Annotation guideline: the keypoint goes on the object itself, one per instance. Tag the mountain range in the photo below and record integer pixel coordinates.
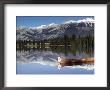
(80, 28)
(46, 58)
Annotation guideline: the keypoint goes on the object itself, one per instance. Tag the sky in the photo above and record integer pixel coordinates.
(35, 21)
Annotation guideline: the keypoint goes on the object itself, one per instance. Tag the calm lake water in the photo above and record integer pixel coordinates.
(46, 62)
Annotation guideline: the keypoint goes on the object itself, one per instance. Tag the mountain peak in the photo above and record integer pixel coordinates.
(80, 27)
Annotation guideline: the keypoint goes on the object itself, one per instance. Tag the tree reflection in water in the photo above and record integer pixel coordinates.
(48, 55)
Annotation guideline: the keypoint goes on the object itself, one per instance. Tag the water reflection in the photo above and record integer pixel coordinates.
(46, 62)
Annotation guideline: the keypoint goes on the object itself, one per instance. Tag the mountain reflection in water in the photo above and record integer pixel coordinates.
(46, 62)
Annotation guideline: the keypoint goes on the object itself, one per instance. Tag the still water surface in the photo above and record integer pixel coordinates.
(46, 62)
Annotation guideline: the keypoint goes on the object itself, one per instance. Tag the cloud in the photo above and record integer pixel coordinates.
(32, 27)
(91, 20)
(22, 27)
(52, 24)
(70, 21)
(42, 26)
(87, 20)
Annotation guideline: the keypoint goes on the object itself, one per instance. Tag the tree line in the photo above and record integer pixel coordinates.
(60, 44)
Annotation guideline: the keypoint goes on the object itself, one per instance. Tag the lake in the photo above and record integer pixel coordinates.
(45, 61)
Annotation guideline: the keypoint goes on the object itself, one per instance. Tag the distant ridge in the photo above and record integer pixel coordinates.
(81, 28)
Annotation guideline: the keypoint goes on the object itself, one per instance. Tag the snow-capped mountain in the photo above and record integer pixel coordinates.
(80, 27)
